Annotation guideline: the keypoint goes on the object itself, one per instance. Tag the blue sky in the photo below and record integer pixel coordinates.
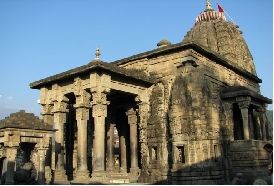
(39, 38)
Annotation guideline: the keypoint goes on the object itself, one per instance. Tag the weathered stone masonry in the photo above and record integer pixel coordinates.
(185, 113)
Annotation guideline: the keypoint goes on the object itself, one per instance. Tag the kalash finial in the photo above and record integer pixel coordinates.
(208, 6)
(97, 54)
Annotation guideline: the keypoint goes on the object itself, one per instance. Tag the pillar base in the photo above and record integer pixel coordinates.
(81, 177)
(134, 174)
(48, 176)
(110, 169)
(9, 182)
(99, 177)
(135, 171)
(123, 170)
(60, 177)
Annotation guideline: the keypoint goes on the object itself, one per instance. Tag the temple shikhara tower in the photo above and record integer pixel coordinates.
(185, 113)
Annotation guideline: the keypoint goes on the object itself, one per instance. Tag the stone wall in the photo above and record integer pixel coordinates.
(188, 116)
(157, 134)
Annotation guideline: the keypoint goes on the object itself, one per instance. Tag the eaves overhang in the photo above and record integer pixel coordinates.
(240, 91)
(94, 65)
(196, 47)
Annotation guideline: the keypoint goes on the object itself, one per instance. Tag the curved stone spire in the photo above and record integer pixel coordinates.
(213, 31)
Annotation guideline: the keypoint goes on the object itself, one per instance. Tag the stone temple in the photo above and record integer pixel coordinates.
(185, 113)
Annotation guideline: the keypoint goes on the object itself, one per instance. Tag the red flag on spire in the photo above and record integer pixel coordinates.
(220, 8)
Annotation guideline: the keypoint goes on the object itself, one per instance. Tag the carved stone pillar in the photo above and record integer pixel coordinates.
(82, 117)
(143, 112)
(48, 118)
(258, 125)
(11, 155)
(60, 110)
(262, 119)
(47, 114)
(41, 171)
(243, 105)
(110, 147)
(123, 153)
(229, 121)
(99, 113)
(132, 121)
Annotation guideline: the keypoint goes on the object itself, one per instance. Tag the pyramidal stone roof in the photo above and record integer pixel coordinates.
(23, 120)
(94, 65)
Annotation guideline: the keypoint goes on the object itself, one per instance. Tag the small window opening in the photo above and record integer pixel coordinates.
(154, 153)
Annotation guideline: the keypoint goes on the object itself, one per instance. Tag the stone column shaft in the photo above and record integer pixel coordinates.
(258, 126)
(133, 146)
(244, 111)
(41, 172)
(263, 126)
(99, 113)
(123, 153)
(82, 144)
(110, 147)
(59, 122)
(11, 155)
(132, 121)
(262, 121)
(99, 144)
(82, 117)
(59, 119)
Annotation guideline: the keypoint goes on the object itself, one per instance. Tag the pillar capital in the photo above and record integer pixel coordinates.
(82, 113)
(99, 97)
(99, 110)
(228, 105)
(132, 117)
(11, 152)
(47, 109)
(261, 109)
(60, 107)
(82, 97)
(244, 104)
(142, 99)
